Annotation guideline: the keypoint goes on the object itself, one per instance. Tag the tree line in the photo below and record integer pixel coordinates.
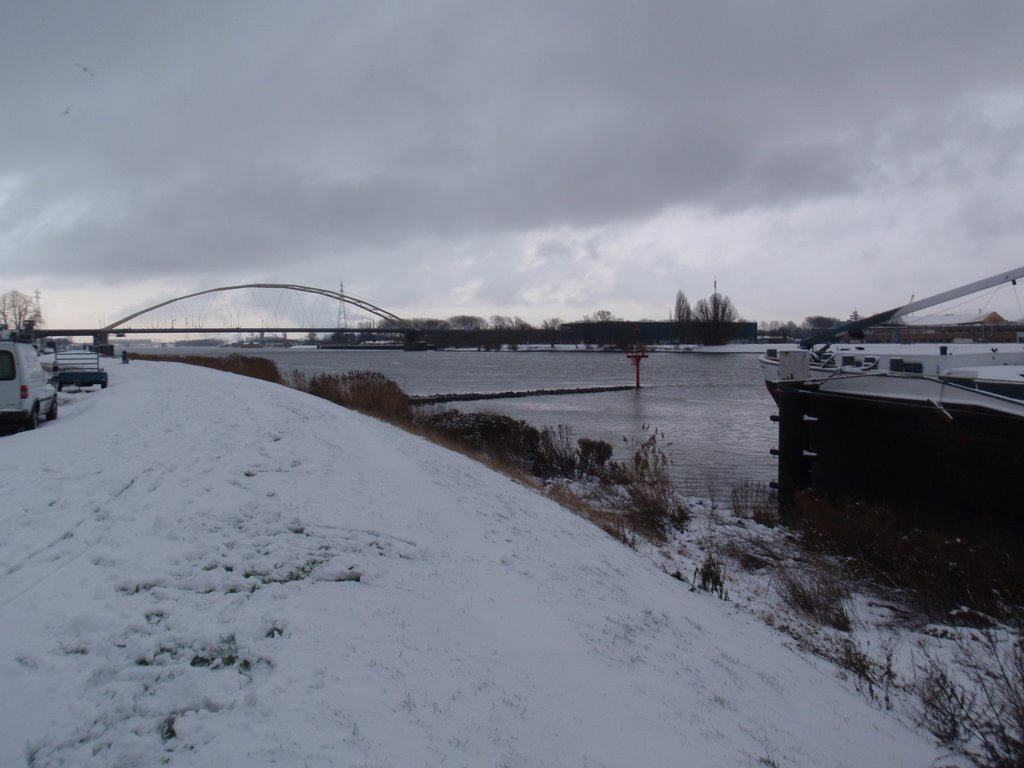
(788, 329)
(706, 321)
(709, 321)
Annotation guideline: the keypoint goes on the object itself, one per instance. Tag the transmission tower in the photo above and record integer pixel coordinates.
(342, 317)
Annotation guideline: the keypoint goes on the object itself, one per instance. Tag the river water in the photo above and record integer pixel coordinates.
(713, 409)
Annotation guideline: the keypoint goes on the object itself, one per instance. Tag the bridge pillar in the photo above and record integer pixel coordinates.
(412, 343)
(100, 338)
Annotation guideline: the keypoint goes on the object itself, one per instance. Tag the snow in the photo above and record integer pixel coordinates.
(199, 569)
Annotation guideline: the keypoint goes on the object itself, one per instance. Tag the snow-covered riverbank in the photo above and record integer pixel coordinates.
(199, 569)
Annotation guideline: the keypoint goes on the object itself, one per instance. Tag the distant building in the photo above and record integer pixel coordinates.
(943, 329)
(624, 332)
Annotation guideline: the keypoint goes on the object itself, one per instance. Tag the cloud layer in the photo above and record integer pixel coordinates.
(524, 158)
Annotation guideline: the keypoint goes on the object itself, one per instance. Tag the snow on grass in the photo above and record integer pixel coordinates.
(202, 569)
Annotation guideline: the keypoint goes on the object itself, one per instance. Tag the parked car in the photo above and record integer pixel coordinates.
(26, 393)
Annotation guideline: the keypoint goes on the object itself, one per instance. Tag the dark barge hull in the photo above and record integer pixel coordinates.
(958, 460)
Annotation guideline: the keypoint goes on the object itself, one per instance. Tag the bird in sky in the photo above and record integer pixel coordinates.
(67, 109)
(85, 69)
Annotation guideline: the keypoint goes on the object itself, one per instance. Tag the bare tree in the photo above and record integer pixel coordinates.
(714, 314)
(782, 328)
(429, 324)
(501, 322)
(17, 310)
(601, 316)
(682, 315)
(466, 323)
(552, 325)
(717, 308)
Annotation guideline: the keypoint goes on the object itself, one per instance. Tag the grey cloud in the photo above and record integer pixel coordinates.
(225, 136)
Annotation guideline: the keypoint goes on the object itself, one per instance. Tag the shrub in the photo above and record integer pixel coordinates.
(500, 437)
(710, 576)
(594, 456)
(556, 455)
(547, 453)
(976, 708)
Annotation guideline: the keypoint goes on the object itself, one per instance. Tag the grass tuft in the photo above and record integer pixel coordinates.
(819, 591)
(652, 501)
(757, 502)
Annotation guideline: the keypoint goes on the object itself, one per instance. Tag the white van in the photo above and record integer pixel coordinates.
(25, 389)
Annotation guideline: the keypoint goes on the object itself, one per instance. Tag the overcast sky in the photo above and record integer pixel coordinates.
(538, 159)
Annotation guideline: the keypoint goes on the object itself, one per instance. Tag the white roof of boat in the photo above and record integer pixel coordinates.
(968, 348)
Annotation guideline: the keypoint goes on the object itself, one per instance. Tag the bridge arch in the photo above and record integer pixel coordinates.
(366, 306)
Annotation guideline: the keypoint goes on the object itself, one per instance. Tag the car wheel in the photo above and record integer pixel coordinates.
(33, 418)
(51, 415)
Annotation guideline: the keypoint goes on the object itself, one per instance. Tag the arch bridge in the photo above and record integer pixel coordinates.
(388, 321)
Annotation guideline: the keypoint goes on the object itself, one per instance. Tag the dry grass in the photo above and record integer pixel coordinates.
(752, 553)
(651, 501)
(589, 509)
(818, 590)
(757, 502)
(975, 705)
(368, 392)
(943, 566)
(243, 365)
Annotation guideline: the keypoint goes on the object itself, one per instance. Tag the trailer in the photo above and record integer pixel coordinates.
(78, 367)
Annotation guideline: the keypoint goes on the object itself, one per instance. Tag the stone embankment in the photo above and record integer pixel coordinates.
(467, 396)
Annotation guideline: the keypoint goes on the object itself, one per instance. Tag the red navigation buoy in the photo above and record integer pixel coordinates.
(638, 354)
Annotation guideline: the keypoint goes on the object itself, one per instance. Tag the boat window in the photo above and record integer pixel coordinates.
(849, 360)
(6, 366)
